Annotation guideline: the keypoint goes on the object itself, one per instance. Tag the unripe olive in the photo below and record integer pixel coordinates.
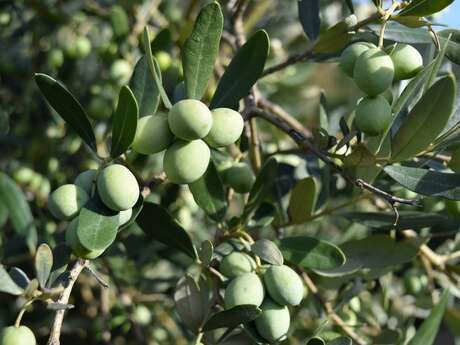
(86, 180)
(244, 289)
(190, 119)
(73, 242)
(373, 115)
(185, 162)
(99, 108)
(374, 71)
(351, 53)
(56, 58)
(284, 285)
(120, 71)
(227, 126)
(240, 177)
(23, 175)
(406, 59)
(454, 162)
(164, 60)
(453, 208)
(142, 315)
(124, 216)
(273, 323)
(236, 264)
(21, 335)
(66, 201)
(82, 47)
(152, 135)
(117, 187)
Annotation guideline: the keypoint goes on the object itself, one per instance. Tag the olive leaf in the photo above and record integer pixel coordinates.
(336, 37)
(303, 200)
(423, 8)
(189, 303)
(145, 88)
(232, 317)
(43, 263)
(309, 17)
(268, 251)
(7, 285)
(119, 20)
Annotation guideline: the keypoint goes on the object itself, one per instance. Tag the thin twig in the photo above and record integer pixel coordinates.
(64, 299)
(332, 315)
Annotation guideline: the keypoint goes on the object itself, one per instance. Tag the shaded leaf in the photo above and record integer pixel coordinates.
(43, 263)
(340, 341)
(262, 187)
(426, 182)
(336, 37)
(309, 17)
(403, 34)
(427, 332)
(311, 253)
(243, 72)
(97, 225)
(209, 193)
(423, 8)
(7, 285)
(124, 122)
(144, 88)
(206, 252)
(232, 317)
(157, 223)
(67, 106)
(453, 47)
(19, 210)
(268, 251)
(19, 277)
(303, 200)
(376, 252)
(201, 49)
(425, 121)
(189, 304)
(61, 258)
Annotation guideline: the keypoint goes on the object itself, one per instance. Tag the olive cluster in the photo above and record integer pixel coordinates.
(116, 187)
(186, 134)
(374, 71)
(273, 288)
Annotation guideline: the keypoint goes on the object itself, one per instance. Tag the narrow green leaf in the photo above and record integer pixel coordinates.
(189, 304)
(158, 224)
(403, 34)
(424, 8)
(206, 252)
(7, 285)
(119, 20)
(43, 263)
(209, 193)
(124, 122)
(385, 220)
(426, 182)
(453, 47)
(425, 121)
(67, 106)
(336, 37)
(268, 251)
(262, 188)
(243, 72)
(201, 49)
(144, 88)
(437, 65)
(19, 277)
(155, 69)
(97, 225)
(427, 332)
(232, 317)
(19, 210)
(309, 18)
(311, 253)
(303, 200)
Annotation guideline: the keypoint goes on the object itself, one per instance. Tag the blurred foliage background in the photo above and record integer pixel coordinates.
(92, 46)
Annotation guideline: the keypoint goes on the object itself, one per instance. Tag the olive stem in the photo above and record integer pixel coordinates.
(198, 338)
(17, 323)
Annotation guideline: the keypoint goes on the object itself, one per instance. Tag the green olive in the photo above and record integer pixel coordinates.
(120, 71)
(190, 119)
(240, 177)
(236, 264)
(454, 162)
(86, 180)
(406, 59)
(227, 126)
(185, 162)
(388, 95)
(117, 187)
(164, 60)
(21, 335)
(351, 53)
(374, 71)
(152, 135)
(55, 58)
(66, 201)
(125, 216)
(273, 324)
(78, 249)
(284, 285)
(373, 115)
(82, 47)
(244, 289)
